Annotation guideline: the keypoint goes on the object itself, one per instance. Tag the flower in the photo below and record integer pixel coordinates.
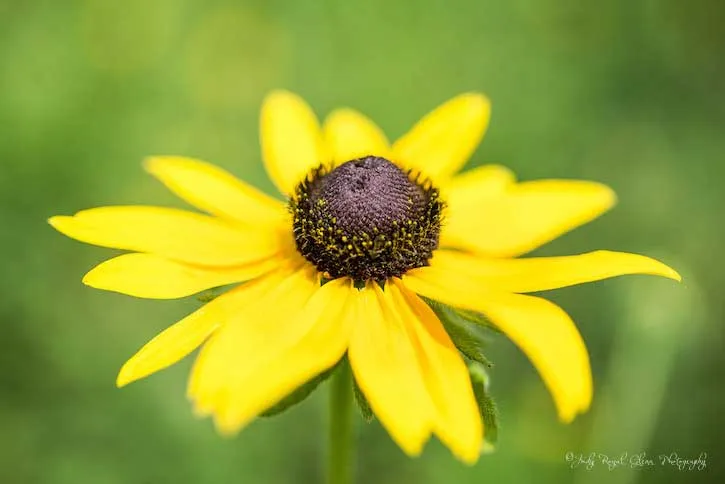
(368, 229)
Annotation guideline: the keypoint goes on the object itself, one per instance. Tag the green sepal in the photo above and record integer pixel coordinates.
(362, 403)
(297, 396)
(466, 329)
(486, 405)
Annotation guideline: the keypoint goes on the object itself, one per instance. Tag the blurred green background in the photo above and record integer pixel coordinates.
(627, 93)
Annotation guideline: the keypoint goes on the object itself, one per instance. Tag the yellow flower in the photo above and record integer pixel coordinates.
(368, 228)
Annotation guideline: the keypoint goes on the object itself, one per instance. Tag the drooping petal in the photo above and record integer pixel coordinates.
(214, 190)
(385, 366)
(350, 135)
(445, 374)
(524, 217)
(153, 277)
(540, 273)
(182, 338)
(321, 335)
(291, 138)
(251, 339)
(441, 143)
(171, 233)
(542, 330)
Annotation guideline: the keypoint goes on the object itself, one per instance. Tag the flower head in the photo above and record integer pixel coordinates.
(366, 219)
(339, 269)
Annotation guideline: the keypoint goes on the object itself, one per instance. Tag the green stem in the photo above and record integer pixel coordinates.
(340, 431)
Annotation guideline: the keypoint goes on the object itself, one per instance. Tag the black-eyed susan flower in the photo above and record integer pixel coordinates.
(339, 268)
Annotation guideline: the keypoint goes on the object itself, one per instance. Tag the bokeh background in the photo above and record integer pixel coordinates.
(627, 93)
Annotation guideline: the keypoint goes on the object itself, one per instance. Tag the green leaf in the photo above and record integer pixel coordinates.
(297, 396)
(362, 403)
(473, 317)
(465, 329)
(486, 405)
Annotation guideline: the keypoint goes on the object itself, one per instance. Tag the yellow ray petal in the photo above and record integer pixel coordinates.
(153, 277)
(441, 143)
(171, 233)
(469, 188)
(321, 334)
(350, 135)
(243, 345)
(446, 375)
(214, 190)
(541, 273)
(291, 138)
(384, 363)
(182, 338)
(525, 217)
(542, 330)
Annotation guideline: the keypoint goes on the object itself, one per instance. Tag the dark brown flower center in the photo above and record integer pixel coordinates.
(366, 219)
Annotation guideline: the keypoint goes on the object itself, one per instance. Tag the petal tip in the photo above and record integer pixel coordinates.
(160, 166)
(412, 450)
(94, 279)
(88, 279)
(477, 99)
(478, 105)
(566, 417)
(127, 374)
(199, 411)
(123, 378)
(470, 460)
(470, 455)
(606, 194)
(152, 164)
(57, 220)
(661, 269)
(611, 195)
(672, 274)
(226, 428)
(602, 194)
(340, 112)
(276, 95)
(62, 223)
